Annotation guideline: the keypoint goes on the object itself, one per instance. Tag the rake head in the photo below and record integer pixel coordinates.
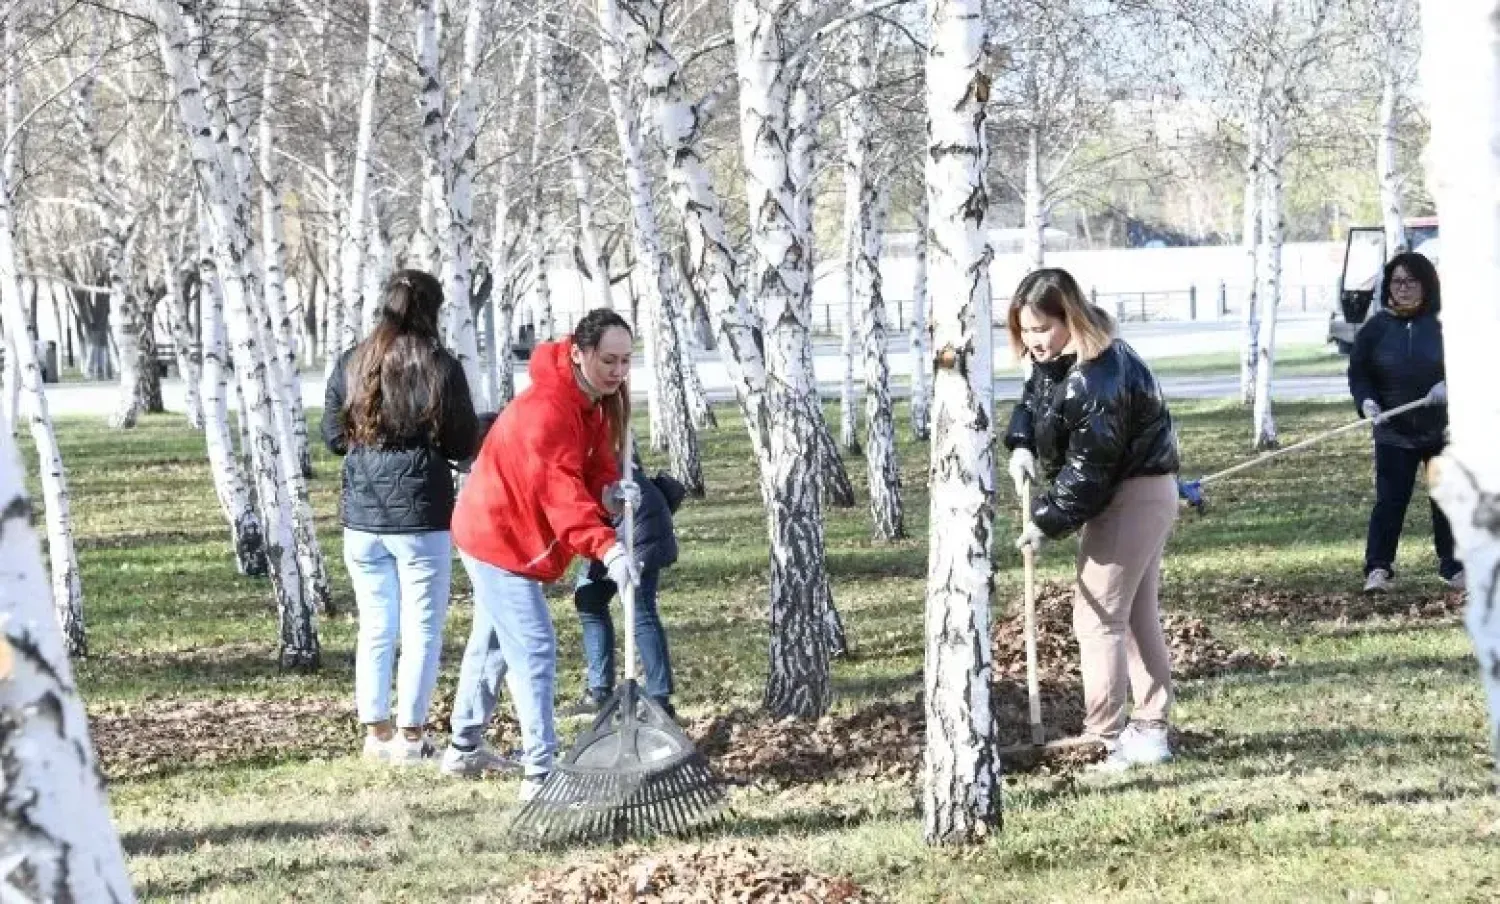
(632, 775)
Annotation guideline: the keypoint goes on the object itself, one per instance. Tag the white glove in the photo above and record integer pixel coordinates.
(621, 570)
(1022, 469)
(1371, 410)
(1438, 395)
(620, 493)
(1032, 538)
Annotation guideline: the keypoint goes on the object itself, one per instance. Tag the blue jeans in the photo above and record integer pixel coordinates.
(401, 584)
(512, 637)
(599, 636)
(1395, 476)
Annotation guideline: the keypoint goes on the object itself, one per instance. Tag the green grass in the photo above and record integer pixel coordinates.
(1357, 773)
(1293, 360)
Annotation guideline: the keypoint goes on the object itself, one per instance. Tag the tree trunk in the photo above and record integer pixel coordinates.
(1273, 232)
(222, 169)
(229, 482)
(597, 266)
(543, 90)
(1386, 166)
(1461, 74)
(1036, 211)
(354, 303)
(961, 783)
(1250, 238)
(56, 839)
(126, 327)
(711, 259)
(67, 588)
(848, 404)
(886, 511)
(10, 384)
(377, 267)
(150, 385)
(798, 683)
(458, 243)
(652, 260)
(921, 356)
(188, 351)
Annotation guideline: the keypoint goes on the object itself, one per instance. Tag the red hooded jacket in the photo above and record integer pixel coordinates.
(532, 501)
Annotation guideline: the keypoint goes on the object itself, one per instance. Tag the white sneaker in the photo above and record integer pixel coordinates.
(399, 751)
(531, 786)
(1379, 581)
(1145, 744)
(476, 763)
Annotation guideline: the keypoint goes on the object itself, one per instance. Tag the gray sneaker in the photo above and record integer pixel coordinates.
(1378, 581)
(1458, 582)
(477, 763)
(399, 750)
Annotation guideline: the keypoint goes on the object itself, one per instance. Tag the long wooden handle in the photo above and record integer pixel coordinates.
(1033, 681)
(627, 594)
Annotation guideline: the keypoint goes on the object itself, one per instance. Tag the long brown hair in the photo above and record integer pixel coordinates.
(586, 336)
(1054, 292)
(396, 375)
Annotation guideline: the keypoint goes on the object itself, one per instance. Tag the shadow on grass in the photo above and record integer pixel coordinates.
(158, 842)
(1304, 673)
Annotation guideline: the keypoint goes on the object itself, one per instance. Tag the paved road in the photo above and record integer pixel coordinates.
(1152, 340)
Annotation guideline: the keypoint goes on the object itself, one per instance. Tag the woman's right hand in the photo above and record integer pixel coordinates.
(621, 569)
(1370, 409)
(1022, 469)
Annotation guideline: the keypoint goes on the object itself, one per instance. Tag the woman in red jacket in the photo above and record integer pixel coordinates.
(541, 491)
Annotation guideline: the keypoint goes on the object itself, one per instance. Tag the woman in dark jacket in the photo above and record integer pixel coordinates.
(655, 549)
(398, 410)
(1092, 416)
(1398, 359)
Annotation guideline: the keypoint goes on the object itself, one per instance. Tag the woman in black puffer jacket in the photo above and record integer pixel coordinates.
(398, 409)
(1093, 420)
(1398, 359)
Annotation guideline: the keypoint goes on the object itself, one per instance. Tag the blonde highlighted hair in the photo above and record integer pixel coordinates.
(1054, 292)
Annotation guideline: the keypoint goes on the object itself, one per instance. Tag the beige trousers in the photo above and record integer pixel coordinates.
(1115, 610)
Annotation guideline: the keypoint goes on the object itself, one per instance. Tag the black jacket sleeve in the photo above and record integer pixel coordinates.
(458, 434)
(1086, 483)
(1019, 434)
(333, 409)
(1361, 369)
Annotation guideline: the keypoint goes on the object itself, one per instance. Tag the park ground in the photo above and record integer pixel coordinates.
(1342, 759)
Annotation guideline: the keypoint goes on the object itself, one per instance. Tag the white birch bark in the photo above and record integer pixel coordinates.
(354, 303)
(653, 263)
(583, 192)
(377, 268)
(187, 351)
(1035, 238)
(1397, 23)
(543, 103)
(961, 782)
(1461, 74)
(848, 404)
(273, 232)
(502, 264)
(921, 356)
(235, 499)
(67, 587)
(1273, 235)
(57, 842)
(798, 682)
(677, 125)
(886, 509)
(1250, 238)
(10, 384)
(457, 240)
(222, 167)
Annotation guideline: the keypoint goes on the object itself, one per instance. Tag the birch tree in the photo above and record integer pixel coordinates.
(245, 533)
(178, 275)
(544, 102)
(660, 288)
(921, 356)
(57, 842)
(1394, 28)
(458, 243)
(503, 246)
(352, 250)
(1461, 72)
(67, 587)
(961, 781)
(222, 166)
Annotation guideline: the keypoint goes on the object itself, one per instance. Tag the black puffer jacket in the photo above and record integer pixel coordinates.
(1397, 360)
(401, 487)
(1092, 425)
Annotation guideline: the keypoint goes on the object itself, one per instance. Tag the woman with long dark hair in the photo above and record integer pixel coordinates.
(398, 410)
(1093, 427)
(545, 483)
(1398, 359)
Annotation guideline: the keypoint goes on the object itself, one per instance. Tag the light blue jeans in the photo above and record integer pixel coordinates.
(401, 584)
(512, 638)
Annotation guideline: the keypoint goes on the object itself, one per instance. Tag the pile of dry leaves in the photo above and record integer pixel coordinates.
(156, 737)
(724, 872)
(1252, 601)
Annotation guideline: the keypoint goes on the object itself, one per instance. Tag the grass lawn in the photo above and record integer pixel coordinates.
(1358, 772)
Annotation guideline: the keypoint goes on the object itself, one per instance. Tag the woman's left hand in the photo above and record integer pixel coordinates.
(1438, 394)
(1031, 538)
(620, 494)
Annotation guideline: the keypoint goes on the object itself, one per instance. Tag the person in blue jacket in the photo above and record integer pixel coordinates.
(1398, 359)
(655, 549)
